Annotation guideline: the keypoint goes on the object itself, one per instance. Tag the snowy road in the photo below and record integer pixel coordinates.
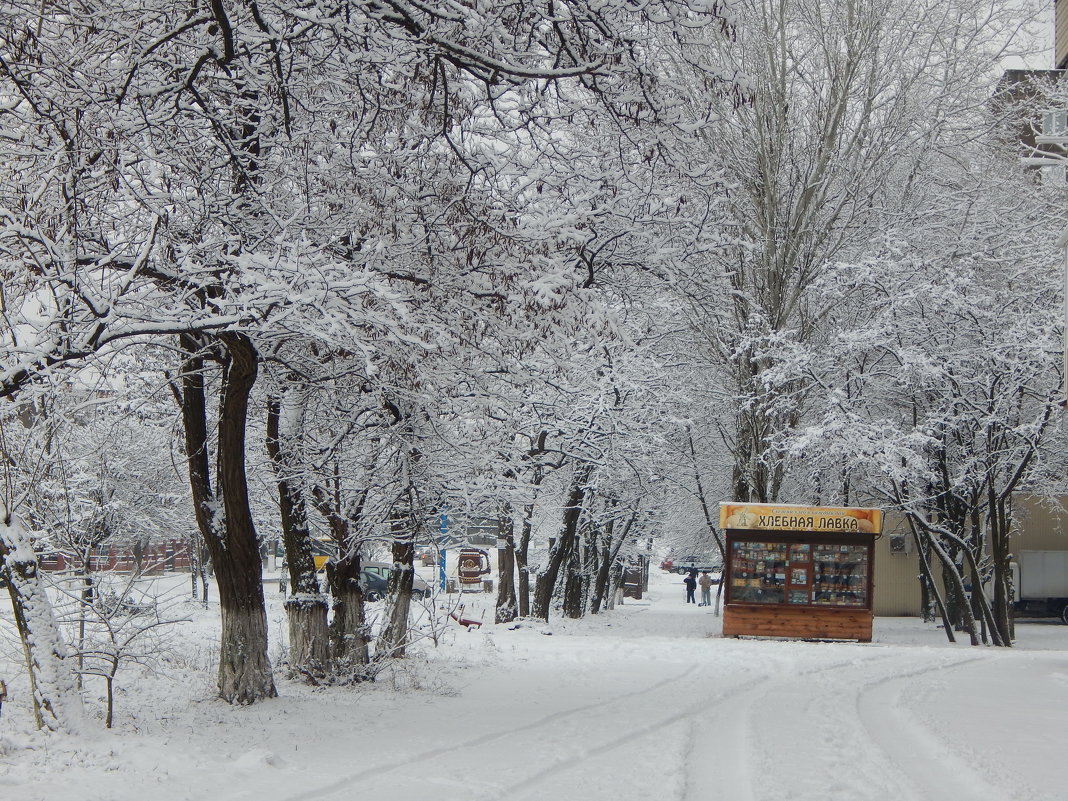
(832, 729)
(647, 702)
(652, 707)
(805, 735)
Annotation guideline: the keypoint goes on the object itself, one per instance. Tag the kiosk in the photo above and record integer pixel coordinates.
(799, 571)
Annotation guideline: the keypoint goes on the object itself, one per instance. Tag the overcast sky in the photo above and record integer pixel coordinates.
(1041, 33)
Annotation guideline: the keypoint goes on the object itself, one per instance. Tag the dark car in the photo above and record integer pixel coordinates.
(375, 579)
(427, 555)
(687, 564)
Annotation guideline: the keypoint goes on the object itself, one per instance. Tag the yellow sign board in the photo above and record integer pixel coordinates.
(789, 517)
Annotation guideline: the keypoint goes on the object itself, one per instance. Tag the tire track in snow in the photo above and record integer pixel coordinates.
(322, 792)
(695, 713)
(737, 754)
(723, 742)
(580, 755)
(725, 732)
(935, 770)
(716, 756)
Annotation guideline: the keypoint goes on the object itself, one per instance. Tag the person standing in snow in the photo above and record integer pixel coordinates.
(691, 584)
(706, 588)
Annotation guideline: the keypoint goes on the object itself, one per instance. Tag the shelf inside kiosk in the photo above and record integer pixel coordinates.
(799, 573)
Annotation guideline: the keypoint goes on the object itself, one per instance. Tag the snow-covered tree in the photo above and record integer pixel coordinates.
(846, 102)
(56, 702)
(229, 172)
(941, 372)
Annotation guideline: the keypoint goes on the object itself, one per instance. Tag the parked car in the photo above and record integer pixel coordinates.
(667, 564)
(684, 564)
(375, 578)
(426, 555)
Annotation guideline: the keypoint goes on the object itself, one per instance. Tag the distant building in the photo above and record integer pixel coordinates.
(1037, 127)
(1041, 525)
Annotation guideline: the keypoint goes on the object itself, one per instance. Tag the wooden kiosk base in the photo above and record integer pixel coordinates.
(802, 623)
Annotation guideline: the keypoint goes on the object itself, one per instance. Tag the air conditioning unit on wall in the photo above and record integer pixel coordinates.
(900, 543)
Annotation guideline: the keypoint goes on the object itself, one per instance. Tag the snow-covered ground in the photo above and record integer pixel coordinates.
(644, 702)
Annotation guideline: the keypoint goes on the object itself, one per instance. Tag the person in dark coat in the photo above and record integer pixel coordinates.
(691, 584)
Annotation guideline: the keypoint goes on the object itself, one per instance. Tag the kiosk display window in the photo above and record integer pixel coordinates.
(840, 575)
(759, 572)
(800, 573)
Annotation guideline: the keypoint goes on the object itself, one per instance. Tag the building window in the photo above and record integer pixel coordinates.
(1054, 175)
(1054, 123)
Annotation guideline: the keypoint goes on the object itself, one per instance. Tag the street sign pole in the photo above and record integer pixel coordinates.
(444, 529)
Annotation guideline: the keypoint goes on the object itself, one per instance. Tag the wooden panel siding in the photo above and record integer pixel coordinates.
(802, 622)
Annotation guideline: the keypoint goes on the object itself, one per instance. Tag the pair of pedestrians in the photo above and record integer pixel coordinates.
(691, 583)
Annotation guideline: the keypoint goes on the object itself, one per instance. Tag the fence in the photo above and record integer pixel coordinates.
(165, 557)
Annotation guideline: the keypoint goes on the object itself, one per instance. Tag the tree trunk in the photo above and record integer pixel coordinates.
(573, 585)
(307, 609)
(229, 533)
(308, 635)
(999, 550)
(506, 602)
(198, 568)
(393, 641)
(953, 579)
(710, 521)
(57, 706)
(979, 598)
(88, 593)
(546, 583)
(296, 537)
(611, 563)
(928, 578)
(600, 584)
(349, 633)
(615, 575)
(244, 668)
(522, 563)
